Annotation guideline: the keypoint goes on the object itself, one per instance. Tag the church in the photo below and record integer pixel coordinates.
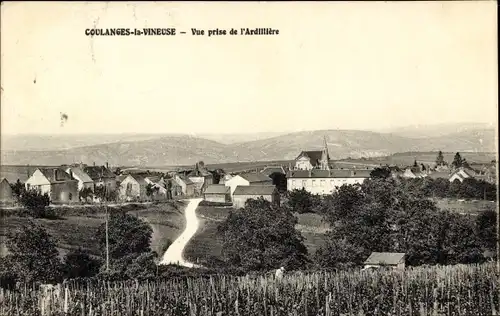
(316, 159)
(313, 173)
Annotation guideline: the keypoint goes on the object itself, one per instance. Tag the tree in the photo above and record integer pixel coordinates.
(441, 187)
(142, 267)
(151, 190)
(127, 235)
(279, 180)
(457, 161)
(105, 194)
(461, 244)
(34, 254)
(8, 276)
(86, 193)
(262, 237)
(17, 189)
(217, 174)
(79, 264)
(300, 201)
(35, 203)
(486, 230)
(380, 173)
(382, 216)
(440, 159)
(465, 164)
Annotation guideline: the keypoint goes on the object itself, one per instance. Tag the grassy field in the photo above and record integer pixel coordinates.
(206, 242)
(79, 229)
(465, 207)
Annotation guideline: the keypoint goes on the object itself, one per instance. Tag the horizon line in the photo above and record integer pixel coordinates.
(379, 130)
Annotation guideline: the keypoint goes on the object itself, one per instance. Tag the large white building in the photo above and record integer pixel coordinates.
(317, 181)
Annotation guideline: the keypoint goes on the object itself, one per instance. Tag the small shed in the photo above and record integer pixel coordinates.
(217, 193)
(394, 260)
(243, 193)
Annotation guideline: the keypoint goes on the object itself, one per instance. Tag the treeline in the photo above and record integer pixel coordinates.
(383, 215)
(470, 188)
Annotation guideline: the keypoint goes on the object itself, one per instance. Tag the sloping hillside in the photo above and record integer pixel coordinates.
(61, 142)
(170, 150)
(186, 150)
(341, 144)
(437, 130)
(355, 144)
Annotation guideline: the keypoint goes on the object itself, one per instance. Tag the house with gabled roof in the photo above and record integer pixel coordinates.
(102, 176)
(158, 183)
(248, 179)
(217, 193)
(393, 260)
(413, 172)
(187, 186)
(461, 174)
(60, 186)
(84, 180)
(246, 192)
(133, 188)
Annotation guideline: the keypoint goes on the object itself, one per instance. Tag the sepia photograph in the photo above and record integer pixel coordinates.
(334, 158)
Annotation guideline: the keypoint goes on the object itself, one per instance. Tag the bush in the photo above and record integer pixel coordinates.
(79, 264)
(35, 204)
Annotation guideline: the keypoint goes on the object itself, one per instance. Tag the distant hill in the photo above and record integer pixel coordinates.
(422, 131)
(238, 138)
(57, 142)
(186, 150)
(168, 150)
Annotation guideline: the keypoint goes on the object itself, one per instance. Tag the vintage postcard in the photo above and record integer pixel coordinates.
(249, 158)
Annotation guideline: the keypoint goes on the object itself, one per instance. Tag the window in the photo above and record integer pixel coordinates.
(332, 182)
(70, 196)
(304, 183)
(322, 183)
(293, 183)
(313, 183)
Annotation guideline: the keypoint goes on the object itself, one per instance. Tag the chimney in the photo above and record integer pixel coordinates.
(94, 163)
(107, 165)
(81, 165)
(28, 170)
(71, 174)
(55, 174)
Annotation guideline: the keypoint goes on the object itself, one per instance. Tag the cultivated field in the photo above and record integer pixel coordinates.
(77, 227)
(450, 290)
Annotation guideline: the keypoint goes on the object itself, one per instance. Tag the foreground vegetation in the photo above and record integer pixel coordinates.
(453, 290)
(75, 227)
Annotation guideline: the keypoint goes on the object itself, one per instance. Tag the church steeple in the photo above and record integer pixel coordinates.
(325, 157)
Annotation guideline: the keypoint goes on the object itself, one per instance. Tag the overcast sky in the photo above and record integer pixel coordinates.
(355, 65)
